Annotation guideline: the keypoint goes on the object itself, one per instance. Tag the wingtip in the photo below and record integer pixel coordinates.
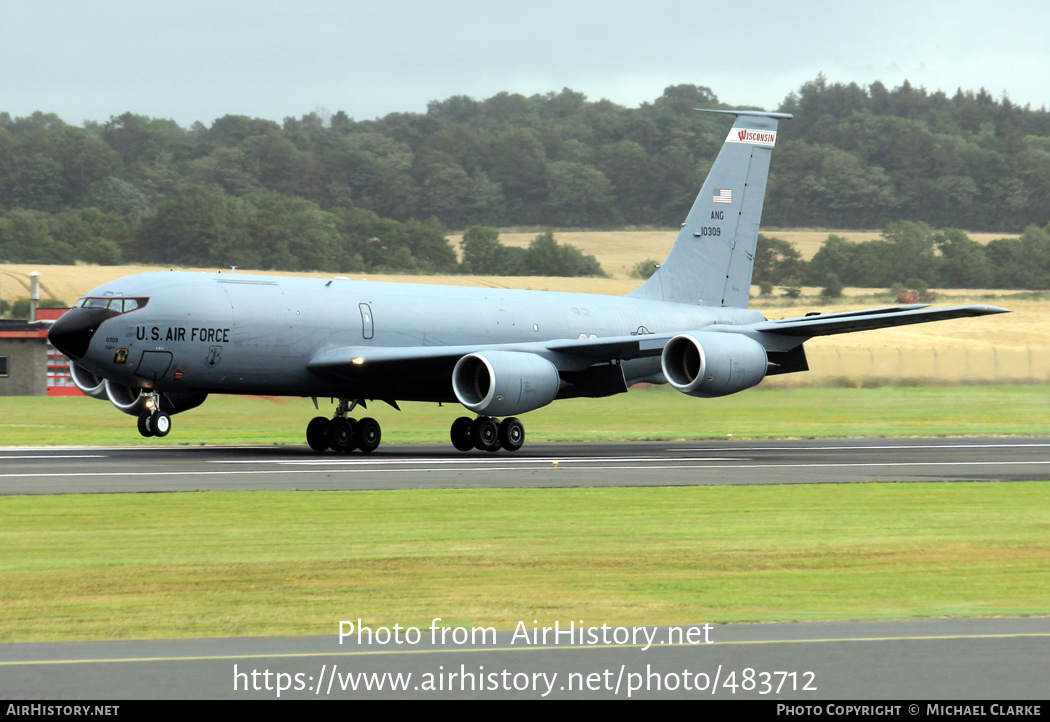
(980, 309)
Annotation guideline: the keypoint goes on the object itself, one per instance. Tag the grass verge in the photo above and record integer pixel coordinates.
(262, 563)
(647, 413)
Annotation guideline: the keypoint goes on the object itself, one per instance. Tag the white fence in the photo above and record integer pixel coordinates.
(944, 365)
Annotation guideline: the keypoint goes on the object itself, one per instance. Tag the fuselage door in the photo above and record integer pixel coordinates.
(367, 329)
(154, 364)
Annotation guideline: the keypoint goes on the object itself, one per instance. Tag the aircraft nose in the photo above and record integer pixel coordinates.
(72, 332)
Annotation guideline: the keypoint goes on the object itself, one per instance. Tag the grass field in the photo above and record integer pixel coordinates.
(118, 566)
(254, 563)
(643, 413)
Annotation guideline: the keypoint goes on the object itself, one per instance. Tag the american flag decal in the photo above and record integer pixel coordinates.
(724, 195)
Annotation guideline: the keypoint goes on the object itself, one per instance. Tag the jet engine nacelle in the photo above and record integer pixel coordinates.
(713, 364)
(134, 401)
(92, 385)
(504, 383)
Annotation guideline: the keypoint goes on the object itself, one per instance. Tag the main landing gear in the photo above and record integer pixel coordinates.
(487, 434)
(342, 433)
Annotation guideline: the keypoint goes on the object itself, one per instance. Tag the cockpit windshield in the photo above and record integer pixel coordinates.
(120, 304)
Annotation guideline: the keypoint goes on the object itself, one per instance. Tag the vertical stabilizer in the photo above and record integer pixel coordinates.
(713, 257)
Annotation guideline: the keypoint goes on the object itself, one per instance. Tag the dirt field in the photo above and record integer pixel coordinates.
(1013, 347)
(619, 251)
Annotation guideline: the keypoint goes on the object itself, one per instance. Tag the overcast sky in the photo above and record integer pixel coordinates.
(196, 60)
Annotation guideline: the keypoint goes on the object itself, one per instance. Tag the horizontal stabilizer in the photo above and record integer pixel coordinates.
(753, 113)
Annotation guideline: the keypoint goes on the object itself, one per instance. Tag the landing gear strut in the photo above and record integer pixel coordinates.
(342, 433)
(486, 433)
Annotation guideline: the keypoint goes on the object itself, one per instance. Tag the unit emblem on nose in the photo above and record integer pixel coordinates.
(214, 356)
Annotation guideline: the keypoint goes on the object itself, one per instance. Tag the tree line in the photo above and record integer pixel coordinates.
(913, 254)
(327, 192)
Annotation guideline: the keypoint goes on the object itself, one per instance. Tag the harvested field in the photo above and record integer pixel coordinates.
(619, 251)
(1007, 348)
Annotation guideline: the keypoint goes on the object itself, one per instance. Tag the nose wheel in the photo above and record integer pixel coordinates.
(486, 433)
(156, 424)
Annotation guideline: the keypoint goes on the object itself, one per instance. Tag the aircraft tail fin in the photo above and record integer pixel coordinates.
(712, 259)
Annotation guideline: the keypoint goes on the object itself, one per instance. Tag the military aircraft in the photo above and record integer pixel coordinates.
(157, 344)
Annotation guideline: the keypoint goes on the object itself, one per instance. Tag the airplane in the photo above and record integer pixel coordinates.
(157, 344)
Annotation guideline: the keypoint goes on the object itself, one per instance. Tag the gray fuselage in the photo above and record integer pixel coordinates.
(243, 334)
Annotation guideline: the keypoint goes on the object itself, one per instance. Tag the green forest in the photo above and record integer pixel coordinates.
(327, 192)
(912, 254)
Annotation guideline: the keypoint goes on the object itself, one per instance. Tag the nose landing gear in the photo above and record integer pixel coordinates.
(157, 424)
(153, 421)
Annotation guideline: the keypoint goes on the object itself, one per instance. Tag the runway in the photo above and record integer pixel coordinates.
(965, 659)
(948, 660)
(145, 469)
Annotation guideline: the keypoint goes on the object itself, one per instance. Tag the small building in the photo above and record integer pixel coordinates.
(23, 358)
(29, 365)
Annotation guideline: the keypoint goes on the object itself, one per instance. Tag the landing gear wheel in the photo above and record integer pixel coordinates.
(485, 431)
(318, 433)
(511, 434)
(462, 438)
(160, 424)
(342, 435)
(367, 435)
(144, 426)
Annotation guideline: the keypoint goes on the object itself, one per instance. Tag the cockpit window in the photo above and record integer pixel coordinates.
(120, 305)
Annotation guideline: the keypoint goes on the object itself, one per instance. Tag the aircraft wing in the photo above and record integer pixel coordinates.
(397, 362)
(632, 347)
(438, 361)
(388, 362)
(869, 319)
(614, 347)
